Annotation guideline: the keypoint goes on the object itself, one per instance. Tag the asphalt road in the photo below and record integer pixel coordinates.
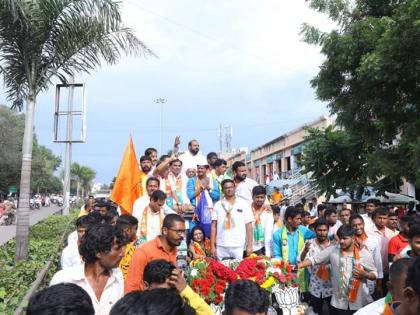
(9, 232)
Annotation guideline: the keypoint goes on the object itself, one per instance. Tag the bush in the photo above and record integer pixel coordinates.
(15, 279)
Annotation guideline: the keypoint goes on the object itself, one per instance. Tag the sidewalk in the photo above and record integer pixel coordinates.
(9, 232)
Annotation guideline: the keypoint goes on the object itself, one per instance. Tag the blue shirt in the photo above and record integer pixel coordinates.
(292, 241)
(214, 192)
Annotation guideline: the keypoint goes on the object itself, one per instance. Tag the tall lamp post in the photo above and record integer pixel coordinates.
(160, 101)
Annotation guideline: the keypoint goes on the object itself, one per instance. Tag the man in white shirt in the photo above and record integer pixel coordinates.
(192, 157)
(287, 192)
(70, 256)
(263, 222)
(371, 243)
(382, 235)
(151, 217)
(102, 248)
(332, 219)
(244, 185)
(371, 205)
(283, 208)
(231, 227)
(152, 184)
(397, 276)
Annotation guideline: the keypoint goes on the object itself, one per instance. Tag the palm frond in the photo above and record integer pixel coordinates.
(42, 40)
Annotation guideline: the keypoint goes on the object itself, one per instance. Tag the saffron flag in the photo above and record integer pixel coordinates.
(127, 187)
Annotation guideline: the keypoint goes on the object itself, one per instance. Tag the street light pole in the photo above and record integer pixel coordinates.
(160, 101)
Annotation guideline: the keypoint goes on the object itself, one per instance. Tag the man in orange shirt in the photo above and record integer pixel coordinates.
(162, 247)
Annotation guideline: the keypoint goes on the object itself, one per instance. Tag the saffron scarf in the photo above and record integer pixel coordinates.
(229, 222)
(143, 223)
(302, 276)
(323, 272)
(354, 284)
(258, 228)
(199, 250)
(361, 239)
(173, 187)
(387, 308)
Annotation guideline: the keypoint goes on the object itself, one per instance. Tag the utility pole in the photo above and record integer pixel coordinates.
(228, 138)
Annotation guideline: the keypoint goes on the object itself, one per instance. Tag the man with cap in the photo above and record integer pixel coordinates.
(203, 192)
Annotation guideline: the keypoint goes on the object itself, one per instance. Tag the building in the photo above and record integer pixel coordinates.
(278, 156)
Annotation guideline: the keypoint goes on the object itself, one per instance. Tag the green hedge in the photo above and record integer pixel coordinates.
(15, 280)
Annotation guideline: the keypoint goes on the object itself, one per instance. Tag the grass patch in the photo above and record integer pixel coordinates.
(15, 279)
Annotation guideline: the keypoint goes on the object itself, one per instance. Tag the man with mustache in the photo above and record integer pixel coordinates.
(192, 157)
(244, 185)
(163, 246)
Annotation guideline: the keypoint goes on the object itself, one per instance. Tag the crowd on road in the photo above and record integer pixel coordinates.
(193, 207)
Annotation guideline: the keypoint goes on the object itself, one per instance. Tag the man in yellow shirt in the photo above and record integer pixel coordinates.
(129, 225)
(276, 196)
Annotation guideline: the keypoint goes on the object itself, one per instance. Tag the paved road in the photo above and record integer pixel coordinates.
(9, 232)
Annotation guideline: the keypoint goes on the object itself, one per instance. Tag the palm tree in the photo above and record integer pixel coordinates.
(86, 175)
(76, 174)
(44, 40)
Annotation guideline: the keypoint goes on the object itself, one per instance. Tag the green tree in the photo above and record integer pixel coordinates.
(83, 175)
(87, 176)
(44, 164)
(370, 81)
(12, 126)
(44, 40)
(76, 175)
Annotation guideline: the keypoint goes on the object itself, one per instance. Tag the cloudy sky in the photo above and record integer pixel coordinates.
(235, 62)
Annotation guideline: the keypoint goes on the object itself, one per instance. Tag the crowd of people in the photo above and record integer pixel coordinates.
(193, 207)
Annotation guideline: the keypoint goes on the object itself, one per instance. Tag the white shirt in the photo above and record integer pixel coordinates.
(72, 238)
(373, 247)
(141, 203)
(267, 220)
(333, 229)
(374, 308)
(287, 192)
(383, 240)
(113, 291)
(244, 189)
(368, 223)
(153, 223)
(70, 256)
(241, 214)
(191, 161)
(282, 212)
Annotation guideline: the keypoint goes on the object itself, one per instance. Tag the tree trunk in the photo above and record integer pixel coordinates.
(77, 188)
(22, 223)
